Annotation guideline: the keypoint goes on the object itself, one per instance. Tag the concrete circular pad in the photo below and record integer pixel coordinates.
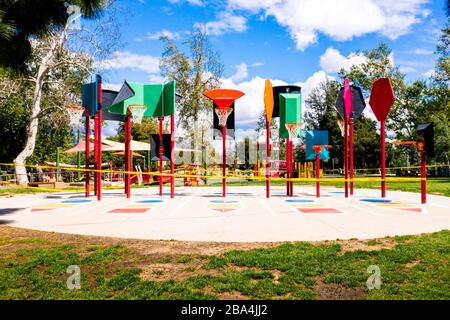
(200, 214)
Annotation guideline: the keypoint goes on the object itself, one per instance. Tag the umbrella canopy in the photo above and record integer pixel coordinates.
(122, 153)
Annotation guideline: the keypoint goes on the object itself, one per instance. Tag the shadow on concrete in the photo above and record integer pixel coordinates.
(6, 221)
(10, 210)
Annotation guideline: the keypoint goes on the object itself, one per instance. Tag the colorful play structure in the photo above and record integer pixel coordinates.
(135, 101)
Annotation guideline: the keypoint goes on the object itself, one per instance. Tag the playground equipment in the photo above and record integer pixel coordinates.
(136, 101)
(268, 107)
(317, 149)
(287, 106)
(350, 105)
(223, 100)
(381, 100)
(425, 146)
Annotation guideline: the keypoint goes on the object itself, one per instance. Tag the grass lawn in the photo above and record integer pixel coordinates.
(33, 266)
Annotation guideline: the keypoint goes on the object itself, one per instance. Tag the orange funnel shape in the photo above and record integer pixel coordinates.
(223, 98)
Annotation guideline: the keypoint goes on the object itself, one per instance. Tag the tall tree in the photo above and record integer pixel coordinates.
(52, 55)
(197, 71)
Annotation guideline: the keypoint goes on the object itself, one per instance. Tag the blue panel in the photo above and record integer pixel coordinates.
(89, 97)
(377, 200)
(150, 201)
(316, 138)
(76, 201)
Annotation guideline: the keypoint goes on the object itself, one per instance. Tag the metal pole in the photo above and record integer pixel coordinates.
(125, 138)
(351, 153)
(78, 157)
(383, 159)
(346, 158)
(318, 174)
(128, 157)
(95, 152)
(87, 156)
(172, 155)
(268, 160)
(291, 183)
(224, 161)
(99, 139)
(58, 171)
(423, 174)
(161, 152)
(287, 166)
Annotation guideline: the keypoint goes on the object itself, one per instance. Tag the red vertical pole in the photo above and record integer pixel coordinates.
(292, 169)
(351, 154)
(172, 155)
(317, 174)
(161, 152)
(125, 138)
(346, 157)
(287, 166)
(268, 160)
(383, 159)
(423, 174)
(128, 158)
(95, 152)
(99, 138)
(87, 152)
(224, 161)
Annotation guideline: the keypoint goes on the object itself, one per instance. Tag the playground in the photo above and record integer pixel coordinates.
(201, 214)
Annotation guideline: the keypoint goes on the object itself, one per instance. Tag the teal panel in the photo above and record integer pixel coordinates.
(290, 111)
(138, 98)
(169, 97)
(89, 99)
(153, 99)
(316, 138)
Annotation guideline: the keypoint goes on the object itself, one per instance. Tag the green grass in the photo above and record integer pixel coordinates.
(412, 267)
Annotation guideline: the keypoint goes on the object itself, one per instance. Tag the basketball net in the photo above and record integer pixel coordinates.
(222, 114)
(75, 115)
(341, 124)
(293, 129)
(137, 112)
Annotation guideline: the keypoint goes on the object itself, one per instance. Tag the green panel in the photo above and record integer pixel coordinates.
(138, 98)
(169, 98)
(153, 99)
(290, 111)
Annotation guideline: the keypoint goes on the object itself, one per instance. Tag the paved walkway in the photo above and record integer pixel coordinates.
(200, 214)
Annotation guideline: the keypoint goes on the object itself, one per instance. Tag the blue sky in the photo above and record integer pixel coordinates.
(292, 41)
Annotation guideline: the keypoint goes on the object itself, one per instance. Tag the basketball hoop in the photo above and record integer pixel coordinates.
(137, 112)
(293, 129)
(222, 114)
(75, 115)
(341, 125)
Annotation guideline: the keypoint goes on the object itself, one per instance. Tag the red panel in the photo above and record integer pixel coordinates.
(129, 210)
(412, 209)
(381, 98)
(223, 98)
(318, 210)
(224, 210)
(41, 209)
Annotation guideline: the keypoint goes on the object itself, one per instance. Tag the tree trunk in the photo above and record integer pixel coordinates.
(32, 129)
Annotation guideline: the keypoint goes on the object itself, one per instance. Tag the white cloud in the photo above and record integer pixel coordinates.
(340, 20)
(226, 22)
(128, 60)
(163, 33)
(257, 64)
(199, 3)
(251, 104)
(112, 86)
(332, 60)
(241, 72)
(422, 52)
(428, 74)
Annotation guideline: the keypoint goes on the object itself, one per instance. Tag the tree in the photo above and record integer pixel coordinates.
(195, 73)
(53, 56)
(22, 20)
